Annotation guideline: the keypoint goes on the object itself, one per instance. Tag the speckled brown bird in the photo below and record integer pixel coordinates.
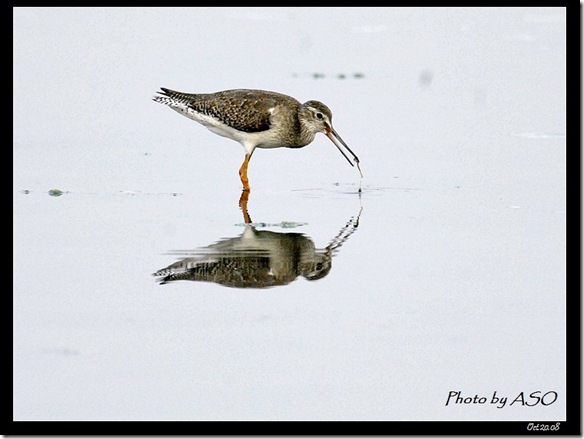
(257, 119)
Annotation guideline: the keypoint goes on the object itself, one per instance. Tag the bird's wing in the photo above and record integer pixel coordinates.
(243, 109)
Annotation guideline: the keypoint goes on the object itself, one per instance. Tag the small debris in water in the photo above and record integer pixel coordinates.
(283, 224)
(291, 224)
(55, 192)
(319, 75)
(425, 77)
(25, 191)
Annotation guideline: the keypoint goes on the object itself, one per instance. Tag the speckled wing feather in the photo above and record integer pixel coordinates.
(242, 109)
(248, 272)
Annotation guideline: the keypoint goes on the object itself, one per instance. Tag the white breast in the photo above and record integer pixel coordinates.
(250, 141)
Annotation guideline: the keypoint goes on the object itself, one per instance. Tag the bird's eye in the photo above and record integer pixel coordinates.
(319, 115)
(319, 265)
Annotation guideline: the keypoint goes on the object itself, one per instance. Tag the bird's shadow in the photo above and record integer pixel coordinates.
(257, 258)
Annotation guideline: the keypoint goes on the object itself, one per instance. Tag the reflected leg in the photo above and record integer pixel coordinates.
(243, 204)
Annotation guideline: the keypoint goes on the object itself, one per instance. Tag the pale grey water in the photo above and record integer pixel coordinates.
(454, 279)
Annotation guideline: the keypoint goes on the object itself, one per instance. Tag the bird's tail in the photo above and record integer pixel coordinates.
(172, 98)
(164, 97)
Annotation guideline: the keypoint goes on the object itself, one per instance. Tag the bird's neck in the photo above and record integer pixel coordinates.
(306, 133)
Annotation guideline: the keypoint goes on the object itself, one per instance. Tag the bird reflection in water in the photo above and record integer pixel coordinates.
(257, 258)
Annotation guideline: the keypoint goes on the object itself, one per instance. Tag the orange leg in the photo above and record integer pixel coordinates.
(243, 173)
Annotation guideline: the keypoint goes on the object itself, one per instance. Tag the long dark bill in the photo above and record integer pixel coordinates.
(334, 136)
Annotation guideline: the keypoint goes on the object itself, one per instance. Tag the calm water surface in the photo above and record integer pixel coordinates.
(332, 303)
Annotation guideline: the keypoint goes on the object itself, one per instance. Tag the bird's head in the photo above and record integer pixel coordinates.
(318, 118)
(316, 266)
